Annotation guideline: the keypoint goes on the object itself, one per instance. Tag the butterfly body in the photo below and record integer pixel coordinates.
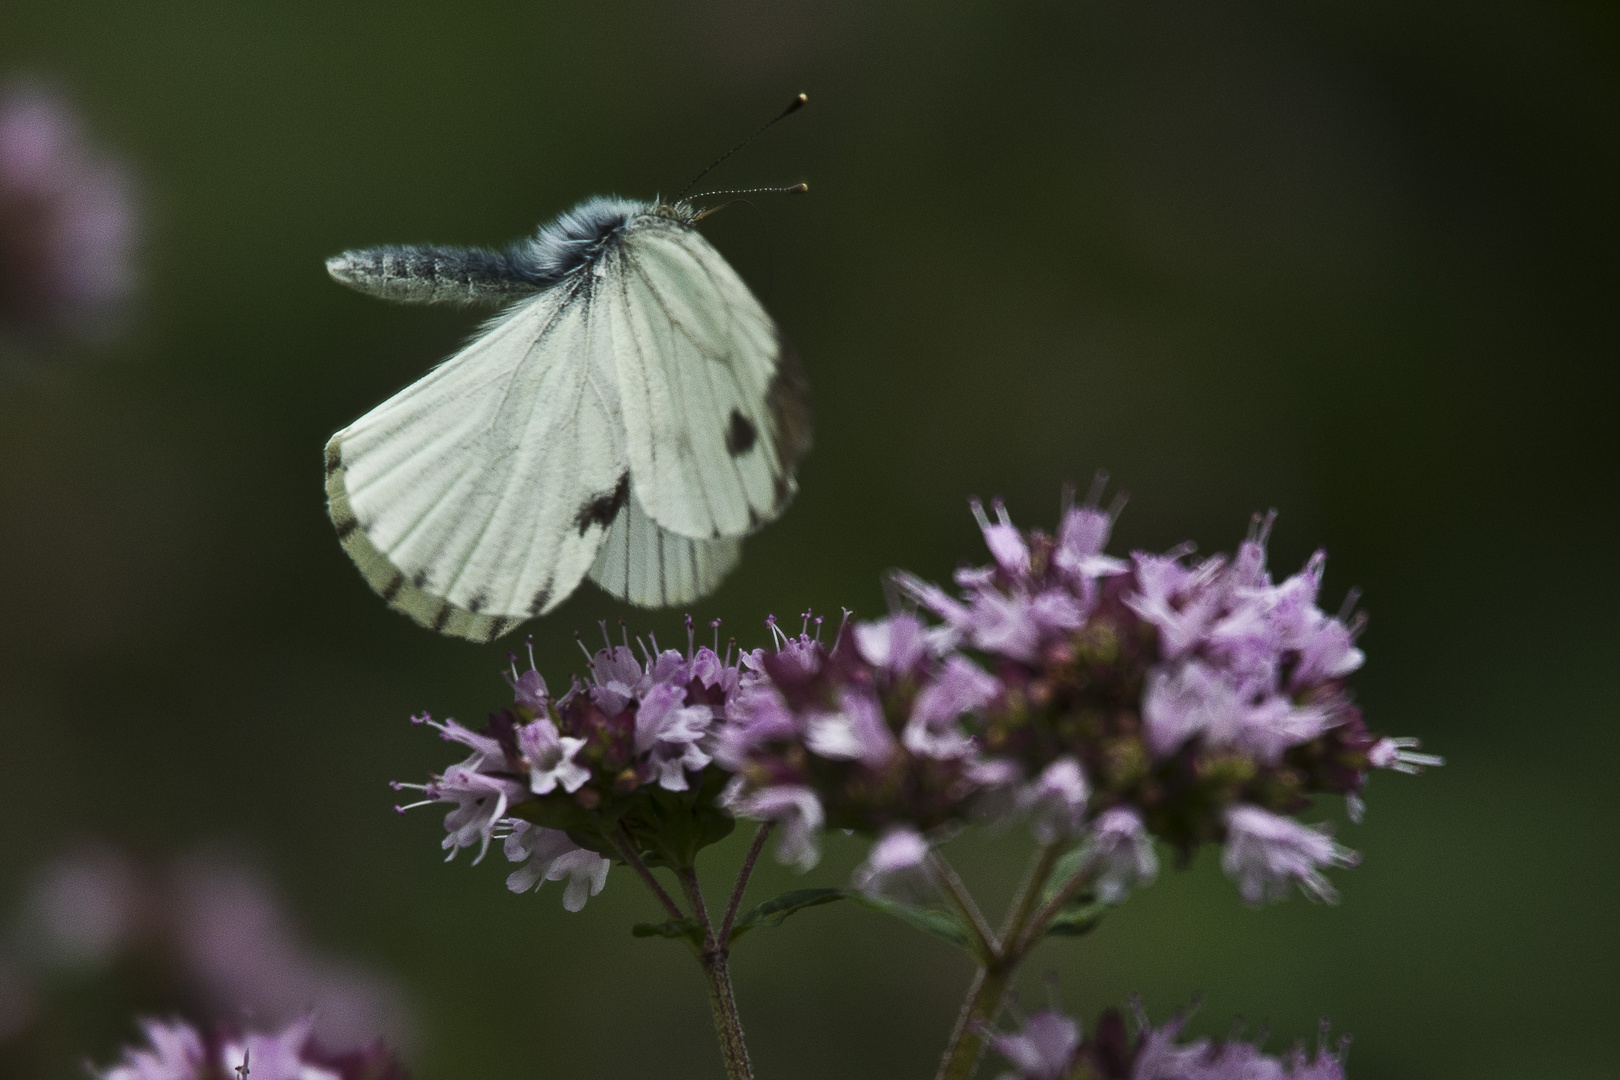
(630, 415)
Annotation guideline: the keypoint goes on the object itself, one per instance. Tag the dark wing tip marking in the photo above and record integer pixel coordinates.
(441, 618)
(391, 590)
(788, 399)
(477, 602)
(740, 434)
(605, 507)
(419, 579)
(346, 527)
(500, 626)
(539, 602)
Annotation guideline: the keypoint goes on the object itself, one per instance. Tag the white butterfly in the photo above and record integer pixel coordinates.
(630, 416)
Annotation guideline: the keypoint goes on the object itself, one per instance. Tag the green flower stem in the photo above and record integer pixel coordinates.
(727, 1024)
(760, 836)
(1037, 923)
(627, 851)
(713, 956)
(1029, 891)
(989, 947)
(995, 976)
(980, 1008)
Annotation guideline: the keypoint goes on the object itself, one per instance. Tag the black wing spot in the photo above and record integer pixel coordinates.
(334, 462)
(347, 527)
(420, 579)
(539, 601)
(740, 435)
(391, 590)
(477, 602)
(605, 507)
(441, 618)
(501, 626)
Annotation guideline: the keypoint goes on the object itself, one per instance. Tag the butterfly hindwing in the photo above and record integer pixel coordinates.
(652, 568)
(716, 413)
(478, 496)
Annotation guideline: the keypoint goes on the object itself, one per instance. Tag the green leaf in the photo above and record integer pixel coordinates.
(667, 828)
(676, 929)
(1079, 916)
(1068, 866)
(671, 827)
(941, 924)
(773, 911)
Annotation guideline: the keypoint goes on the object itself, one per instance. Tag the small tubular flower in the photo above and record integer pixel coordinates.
(621, 761)
(866, 735)
(548, 855)
(1267, 855)
(1056, 801)
(1043, 1050)
(898, 859)
(797, 813)
(1124, 852)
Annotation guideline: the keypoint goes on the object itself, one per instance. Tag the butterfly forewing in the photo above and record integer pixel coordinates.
(487, 487)
(698, 360)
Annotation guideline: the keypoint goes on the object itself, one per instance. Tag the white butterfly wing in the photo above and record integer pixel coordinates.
(653, 568)
(478, 496)
(716, 408)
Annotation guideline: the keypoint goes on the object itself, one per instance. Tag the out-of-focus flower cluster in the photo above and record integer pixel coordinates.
(66, 221)
(1195, 697)
(620, 762)
(1049, 1046)
(213, 929)
(175, 1050)
(866, 734)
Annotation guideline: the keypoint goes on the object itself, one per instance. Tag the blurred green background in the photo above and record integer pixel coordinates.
(1352, 260)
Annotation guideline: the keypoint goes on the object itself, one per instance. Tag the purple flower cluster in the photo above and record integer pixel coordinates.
(622, 759)
(1114, 702)
(865, 735)
(66, 220)
(1049, 1047)
(1195, 697)
(178, 1051)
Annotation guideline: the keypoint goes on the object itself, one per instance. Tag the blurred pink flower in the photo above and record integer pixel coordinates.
(223, 926)
(82, 907)
(237, 941)
(67, 220)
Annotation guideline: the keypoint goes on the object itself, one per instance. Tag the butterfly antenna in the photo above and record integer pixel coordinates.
(793, 106)
(795, 189)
